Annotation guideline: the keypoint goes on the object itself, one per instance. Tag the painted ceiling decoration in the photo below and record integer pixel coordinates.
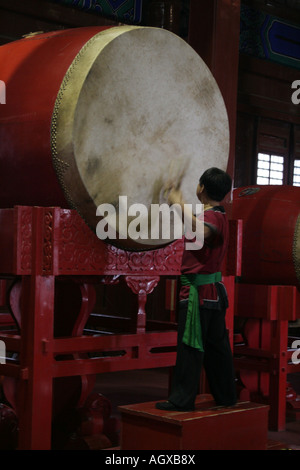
(127, 11)
(261, 35)
(269, 37)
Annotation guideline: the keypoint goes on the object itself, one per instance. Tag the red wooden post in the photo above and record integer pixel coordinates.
(35, 402)
(278, 376)
(214, 30)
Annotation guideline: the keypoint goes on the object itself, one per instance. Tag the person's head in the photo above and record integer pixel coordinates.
(215, 183)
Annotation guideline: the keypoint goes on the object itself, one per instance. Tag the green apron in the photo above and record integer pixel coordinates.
(192, 334)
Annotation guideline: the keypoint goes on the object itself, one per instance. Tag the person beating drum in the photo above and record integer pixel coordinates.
(202, 336)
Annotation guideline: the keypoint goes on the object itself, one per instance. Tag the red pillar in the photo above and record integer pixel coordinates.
(35, 405)
(214, 29)
(278, 375)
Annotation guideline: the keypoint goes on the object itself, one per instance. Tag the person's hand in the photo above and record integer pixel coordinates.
(172, 193)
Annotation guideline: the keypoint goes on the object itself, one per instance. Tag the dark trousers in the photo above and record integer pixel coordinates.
(216, 359)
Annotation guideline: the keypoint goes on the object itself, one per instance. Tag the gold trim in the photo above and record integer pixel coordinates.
(30, 35)
(296, 248)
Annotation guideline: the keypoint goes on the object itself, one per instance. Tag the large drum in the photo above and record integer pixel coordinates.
(271, 233)
(93, 114)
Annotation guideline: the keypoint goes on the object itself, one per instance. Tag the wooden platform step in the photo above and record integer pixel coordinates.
(244, 427)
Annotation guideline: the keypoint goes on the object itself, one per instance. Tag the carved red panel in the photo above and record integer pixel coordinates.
(67, 246)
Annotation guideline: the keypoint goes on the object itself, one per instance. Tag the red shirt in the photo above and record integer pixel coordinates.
(209, 258)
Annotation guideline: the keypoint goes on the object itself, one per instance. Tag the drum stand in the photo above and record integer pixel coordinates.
(49, 357)
(263, 353)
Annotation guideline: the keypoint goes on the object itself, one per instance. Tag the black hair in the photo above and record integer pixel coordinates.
(217, 183)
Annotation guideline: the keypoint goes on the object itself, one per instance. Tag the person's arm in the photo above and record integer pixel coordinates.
(188, 218)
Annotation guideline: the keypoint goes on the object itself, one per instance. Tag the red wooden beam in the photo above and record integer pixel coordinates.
(214, 31)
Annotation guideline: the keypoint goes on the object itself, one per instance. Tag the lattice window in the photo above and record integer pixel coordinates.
(270, 169)
(296, 173)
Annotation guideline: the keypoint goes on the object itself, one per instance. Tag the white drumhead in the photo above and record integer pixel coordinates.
(142, 107)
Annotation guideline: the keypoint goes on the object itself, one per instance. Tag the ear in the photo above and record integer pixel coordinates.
(200, 189)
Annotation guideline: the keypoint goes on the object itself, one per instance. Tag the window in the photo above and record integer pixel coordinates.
(277, 149)
(270, 169)
(296, 173)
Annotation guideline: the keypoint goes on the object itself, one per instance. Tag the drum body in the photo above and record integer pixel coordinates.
(33, 70)
(271, 233)
(93, 114)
